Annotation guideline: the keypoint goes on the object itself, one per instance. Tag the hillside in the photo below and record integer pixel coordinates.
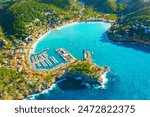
(133, 27)
(58, 3)
(105, 6)
(134, 5)
(21, 15)
(24, 18)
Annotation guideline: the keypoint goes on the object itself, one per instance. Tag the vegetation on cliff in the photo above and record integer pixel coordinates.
(133, 24)
(87, 68)
(106, 6)
(18, 85)
(23, 18)
(19, 17)
(12, 84)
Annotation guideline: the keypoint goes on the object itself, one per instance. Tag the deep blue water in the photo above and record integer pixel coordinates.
(129, 77)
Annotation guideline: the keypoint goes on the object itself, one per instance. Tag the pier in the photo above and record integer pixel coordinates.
(32, 59)
(36, 57)
(65, 55)
(53, 59)
(43, 63)
(38, 64)
(47, 61)
(43, 51)
(87, 56)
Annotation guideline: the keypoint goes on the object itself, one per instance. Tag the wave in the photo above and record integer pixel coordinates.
(105, 80)
(46, 91)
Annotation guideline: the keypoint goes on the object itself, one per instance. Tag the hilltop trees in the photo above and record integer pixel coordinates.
(105, 6)
(58, 3)
(134, 25)
(23, 18)
(20, 15)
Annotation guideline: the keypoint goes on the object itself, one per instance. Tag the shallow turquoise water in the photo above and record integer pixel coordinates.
(129, 77)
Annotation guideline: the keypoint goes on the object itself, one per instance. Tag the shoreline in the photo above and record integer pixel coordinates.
(105, 79)
(129, 41)
(32, 96)
(53, 85)
(35, 42)
(38, 38)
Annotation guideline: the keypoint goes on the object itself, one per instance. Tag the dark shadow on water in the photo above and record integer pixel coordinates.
(104, 38)
(71, 84)
(71, 89)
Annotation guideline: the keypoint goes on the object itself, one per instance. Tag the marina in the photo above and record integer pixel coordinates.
(68, 57)
(42, 59)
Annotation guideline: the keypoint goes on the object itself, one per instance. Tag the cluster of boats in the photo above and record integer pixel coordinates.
(43, 60)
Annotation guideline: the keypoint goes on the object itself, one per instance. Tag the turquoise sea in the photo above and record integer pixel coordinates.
(129, 77)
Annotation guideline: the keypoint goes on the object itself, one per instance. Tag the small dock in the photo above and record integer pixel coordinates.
(38, 64)
(43, 51)
(68, 57)
(36, 57)
(43, 63)
(87, 56)
(48, 61)
(32, 59)
(54, 59)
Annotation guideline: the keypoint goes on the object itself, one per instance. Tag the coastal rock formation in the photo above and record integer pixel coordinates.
(133, 25)
(85, 71)
(128, 40)
(85, 78)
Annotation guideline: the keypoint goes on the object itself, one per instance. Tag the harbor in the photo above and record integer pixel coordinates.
(42, 59)
(47, 60)
(68, 57)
